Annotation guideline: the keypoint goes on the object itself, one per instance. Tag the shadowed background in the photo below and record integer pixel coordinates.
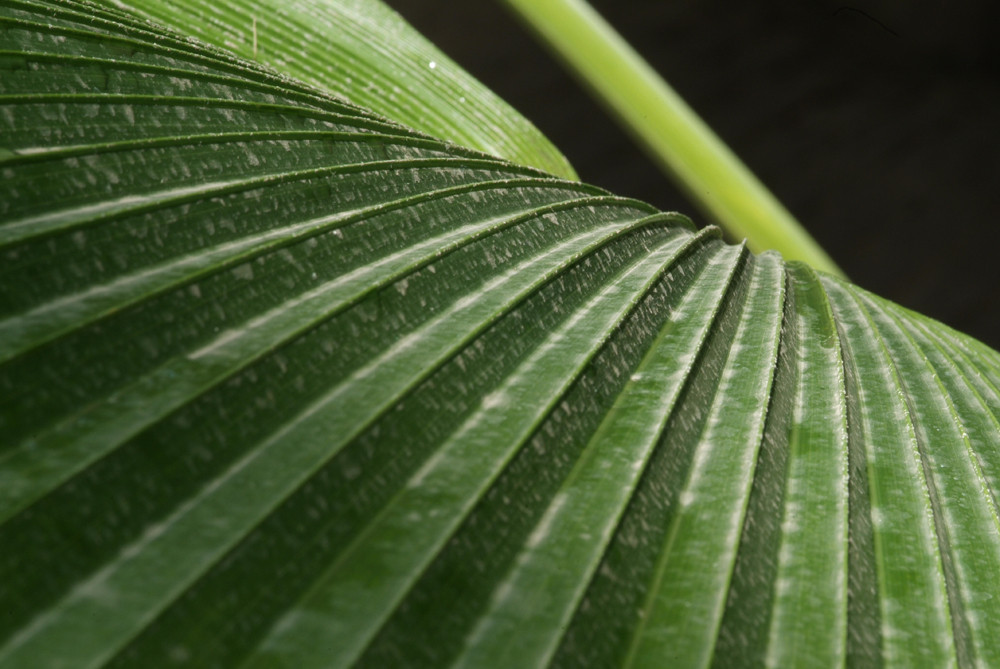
(875, 123)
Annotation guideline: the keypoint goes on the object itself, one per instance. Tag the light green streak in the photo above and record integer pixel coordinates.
(670, 130)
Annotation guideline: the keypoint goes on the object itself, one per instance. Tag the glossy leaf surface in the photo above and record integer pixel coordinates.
(283, 384)
(364, 52)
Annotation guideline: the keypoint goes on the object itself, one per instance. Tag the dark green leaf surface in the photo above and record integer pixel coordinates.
(283, 384)
(364, 52)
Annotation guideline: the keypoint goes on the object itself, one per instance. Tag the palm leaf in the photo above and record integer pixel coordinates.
(364, 52)
(284, 383)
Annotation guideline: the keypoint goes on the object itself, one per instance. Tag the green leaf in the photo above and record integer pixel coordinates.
(282, 383)
(364, 52)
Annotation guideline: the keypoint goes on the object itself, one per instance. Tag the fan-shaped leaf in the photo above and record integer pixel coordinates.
(285, 384)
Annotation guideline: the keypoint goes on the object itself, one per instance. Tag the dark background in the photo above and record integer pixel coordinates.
(875, 123)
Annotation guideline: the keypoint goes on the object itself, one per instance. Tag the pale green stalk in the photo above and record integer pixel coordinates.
(670, 130)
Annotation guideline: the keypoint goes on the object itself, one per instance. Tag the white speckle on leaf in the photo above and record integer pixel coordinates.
(243, 271)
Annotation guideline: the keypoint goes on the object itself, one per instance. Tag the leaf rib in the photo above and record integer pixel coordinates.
(912, 593)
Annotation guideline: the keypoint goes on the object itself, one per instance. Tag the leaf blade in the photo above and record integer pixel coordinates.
(370, 56)
(212, 394)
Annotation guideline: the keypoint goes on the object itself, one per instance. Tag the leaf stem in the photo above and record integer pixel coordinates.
(720, 184)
